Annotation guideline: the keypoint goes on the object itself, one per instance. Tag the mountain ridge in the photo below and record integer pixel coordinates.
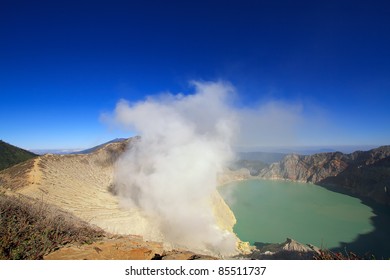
(11, 155)
(361, 173)
(95, 148)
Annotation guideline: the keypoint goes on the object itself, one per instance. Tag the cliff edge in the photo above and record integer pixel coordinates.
(364, 174)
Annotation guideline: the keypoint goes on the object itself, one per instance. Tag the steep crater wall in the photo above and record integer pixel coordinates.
(364, 174)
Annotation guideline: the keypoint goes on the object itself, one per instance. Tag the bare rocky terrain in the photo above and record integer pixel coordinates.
(81, 184)
(123, 248)
(365, 174)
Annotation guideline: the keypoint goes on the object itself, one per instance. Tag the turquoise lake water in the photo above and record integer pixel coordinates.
(269, 211)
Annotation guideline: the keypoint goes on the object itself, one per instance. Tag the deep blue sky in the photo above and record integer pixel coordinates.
(64, 63)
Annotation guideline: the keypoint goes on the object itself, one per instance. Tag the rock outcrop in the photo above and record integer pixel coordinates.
(290, 249)
(362, 173)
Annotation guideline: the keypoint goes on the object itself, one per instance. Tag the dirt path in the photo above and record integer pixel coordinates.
(34, 180)
(35, 174)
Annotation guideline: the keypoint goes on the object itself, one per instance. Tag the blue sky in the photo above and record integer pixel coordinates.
(65, 63)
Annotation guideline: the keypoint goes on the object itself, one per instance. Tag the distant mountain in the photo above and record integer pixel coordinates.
(317, 150)
(306, 150)
(254, 166)
(54, 151)
(364, 174)
(265, 157)
(93, 149)
(76, 151)
(255, 161)
(11, 155)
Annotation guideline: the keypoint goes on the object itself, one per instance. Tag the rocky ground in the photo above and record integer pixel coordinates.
(123, 248)
(81, 184)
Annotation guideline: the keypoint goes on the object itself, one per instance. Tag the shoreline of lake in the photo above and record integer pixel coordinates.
(364, 241)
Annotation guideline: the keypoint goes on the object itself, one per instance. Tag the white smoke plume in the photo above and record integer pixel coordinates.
(171, 173)
(186, 140)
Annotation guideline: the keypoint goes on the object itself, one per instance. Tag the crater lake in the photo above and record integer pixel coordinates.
(269, 211)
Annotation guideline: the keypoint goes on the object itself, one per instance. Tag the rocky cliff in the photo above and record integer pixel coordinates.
(364, 174)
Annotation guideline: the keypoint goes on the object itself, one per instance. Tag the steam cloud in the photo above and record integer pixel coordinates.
(171, 172)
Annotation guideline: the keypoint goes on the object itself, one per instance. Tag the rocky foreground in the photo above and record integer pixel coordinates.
(123, 248)
(135, 248)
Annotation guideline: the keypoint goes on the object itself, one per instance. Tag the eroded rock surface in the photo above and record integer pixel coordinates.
(364, 174)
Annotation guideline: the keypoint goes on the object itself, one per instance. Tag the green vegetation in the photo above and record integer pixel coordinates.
(30, 229)
(11, 155)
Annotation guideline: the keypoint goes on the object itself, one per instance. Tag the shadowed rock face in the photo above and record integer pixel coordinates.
(364, 174)
(307, 168)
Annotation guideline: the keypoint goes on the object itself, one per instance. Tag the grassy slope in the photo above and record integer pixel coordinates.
(30, 229)
(11, 155)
